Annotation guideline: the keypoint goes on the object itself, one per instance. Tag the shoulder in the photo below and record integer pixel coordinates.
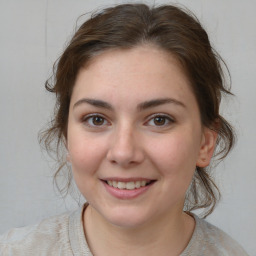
(210, 240)
(50, 236)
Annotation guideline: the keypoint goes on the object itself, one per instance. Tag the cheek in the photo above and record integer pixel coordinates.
(85, 153)
(176, 155)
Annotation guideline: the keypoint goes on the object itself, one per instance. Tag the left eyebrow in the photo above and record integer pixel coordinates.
(94, 102)
(158, 102)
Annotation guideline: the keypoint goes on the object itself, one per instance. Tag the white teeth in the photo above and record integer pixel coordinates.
(137, 184)
(130, 185)
(143, 183)
(127, 185)
(121, 185)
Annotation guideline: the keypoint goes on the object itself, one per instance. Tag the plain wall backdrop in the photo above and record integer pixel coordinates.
(33, 35)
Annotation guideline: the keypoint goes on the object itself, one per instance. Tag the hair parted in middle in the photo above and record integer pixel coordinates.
(172, 29)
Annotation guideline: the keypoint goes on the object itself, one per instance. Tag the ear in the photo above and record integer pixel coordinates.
(207, 147)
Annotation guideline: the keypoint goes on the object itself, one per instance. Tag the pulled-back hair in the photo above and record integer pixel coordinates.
(177, 32)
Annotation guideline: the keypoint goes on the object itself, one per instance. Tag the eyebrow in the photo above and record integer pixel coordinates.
(94, 102)
(140, 107)
(158, 102)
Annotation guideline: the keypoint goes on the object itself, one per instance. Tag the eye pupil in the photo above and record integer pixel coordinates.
(159, 120)
(97, 120)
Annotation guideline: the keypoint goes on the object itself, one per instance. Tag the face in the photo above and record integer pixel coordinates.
(135, 136)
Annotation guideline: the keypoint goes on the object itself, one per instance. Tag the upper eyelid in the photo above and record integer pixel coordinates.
(87, 116)
(92, 115)
(160, 114)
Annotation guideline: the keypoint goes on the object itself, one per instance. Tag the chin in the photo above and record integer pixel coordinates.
(126, 217)
(127, 222)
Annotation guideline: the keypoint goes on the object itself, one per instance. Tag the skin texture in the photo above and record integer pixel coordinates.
(128, 142)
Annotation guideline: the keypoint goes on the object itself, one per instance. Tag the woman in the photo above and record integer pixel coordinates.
(138, 93)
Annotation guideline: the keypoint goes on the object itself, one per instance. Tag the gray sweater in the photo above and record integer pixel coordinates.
(63, 235)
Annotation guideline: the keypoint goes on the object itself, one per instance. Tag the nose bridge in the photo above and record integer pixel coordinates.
(125, 149)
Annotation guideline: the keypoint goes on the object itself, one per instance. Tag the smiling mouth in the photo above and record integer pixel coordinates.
(129, 185)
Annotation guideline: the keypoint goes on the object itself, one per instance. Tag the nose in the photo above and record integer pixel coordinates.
(126, 148)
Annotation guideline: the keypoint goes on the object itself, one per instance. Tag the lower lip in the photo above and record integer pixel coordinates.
(126, 193)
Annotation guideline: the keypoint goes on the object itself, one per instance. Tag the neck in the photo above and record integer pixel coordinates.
(164, 236)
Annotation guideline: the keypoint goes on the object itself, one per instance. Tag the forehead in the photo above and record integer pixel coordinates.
(137, 73)
(149, 58)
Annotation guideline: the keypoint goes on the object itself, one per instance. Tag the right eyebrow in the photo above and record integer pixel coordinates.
(158, 102)
(94, 102)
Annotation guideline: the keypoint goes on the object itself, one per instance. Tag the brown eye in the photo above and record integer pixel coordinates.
(97, 120)
(159, 120)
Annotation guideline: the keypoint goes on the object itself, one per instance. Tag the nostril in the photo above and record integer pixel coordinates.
(125, 153)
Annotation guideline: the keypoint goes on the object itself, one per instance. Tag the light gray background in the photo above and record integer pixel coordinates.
(33, 34)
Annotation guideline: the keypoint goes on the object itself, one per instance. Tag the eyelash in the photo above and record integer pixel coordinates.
(167, 120)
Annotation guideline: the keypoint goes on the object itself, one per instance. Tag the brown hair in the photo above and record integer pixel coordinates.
(174, 30)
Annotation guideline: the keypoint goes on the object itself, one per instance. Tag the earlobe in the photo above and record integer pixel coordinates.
(67, 154)
(68, 157)
(207, 147)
